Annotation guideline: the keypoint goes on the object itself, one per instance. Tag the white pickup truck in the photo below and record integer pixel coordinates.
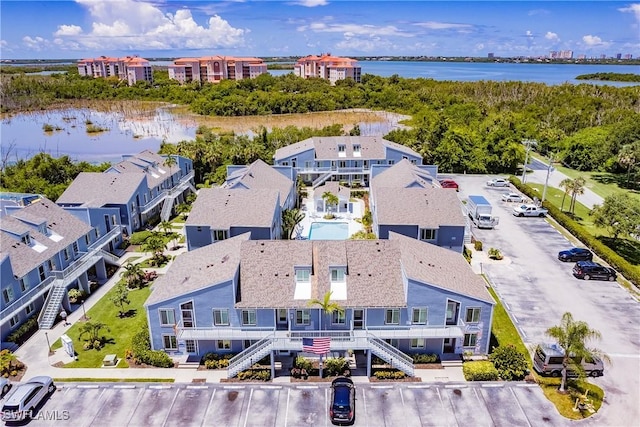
(529, 210)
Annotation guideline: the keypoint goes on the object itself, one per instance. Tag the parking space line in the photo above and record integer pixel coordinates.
(381, 386)
(305, 387)
(520, 406)
(248, 407)
(88, 386)
(527, 385)
(326, 405)
(173, 401)
(286, 411)
(364, 402)
(455, 386)
(125, 386)
(418, 386)
(159, 387)
(197, 387)
(232, 387)
(271, 387)
(491, 385)
(204, 418)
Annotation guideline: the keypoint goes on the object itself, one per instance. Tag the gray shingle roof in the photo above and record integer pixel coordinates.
(202, 268)
(401, 175)
(94, 189)
(326, 147)
(221, 208)
(439, 267)
(148, 162)
(25, 258)
(424, 207)
(260, 175)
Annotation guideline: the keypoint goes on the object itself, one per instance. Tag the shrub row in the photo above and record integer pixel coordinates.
(215, 356)
(425, 358)
(24, 331)
(216, 364)
(573, 227)
(389, 374)
(255, 374)
(481, 370)
(335, 366)
(142, 353)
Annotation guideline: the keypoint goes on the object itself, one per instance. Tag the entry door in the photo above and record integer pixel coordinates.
(358, 318)
(449, 345)
(453, 309)
(187, 315)
(281, 318)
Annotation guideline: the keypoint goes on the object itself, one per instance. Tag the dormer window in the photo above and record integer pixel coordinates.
(342, 150)
(356, 150)
(337, 275)
(303, 275)
(26, 239)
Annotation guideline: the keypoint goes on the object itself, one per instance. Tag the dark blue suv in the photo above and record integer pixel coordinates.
(575, 254)
(342, 409)
(588, 270)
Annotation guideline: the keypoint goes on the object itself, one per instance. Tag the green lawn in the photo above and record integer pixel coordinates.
(121, 330)
(601, 183)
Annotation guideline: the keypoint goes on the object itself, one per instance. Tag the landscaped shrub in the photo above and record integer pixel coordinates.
(589, 240)
(142, 353)
(495, 253)
(24, 331)
(510, 363)
(425, 358)
(481, 370)
(389, 374)
(303, 363)
(466, 252)
(336, 366)
(477, 245)
(139, 237)
(255, 374)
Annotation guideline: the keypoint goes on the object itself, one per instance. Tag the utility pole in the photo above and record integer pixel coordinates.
(546, 181)
(528, 143)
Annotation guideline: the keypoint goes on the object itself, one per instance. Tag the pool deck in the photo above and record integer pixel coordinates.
(313, 215)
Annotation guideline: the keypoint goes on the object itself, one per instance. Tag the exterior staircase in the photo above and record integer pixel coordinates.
(49, 313)
(321, 179)
(250, 356)
(167, 208)
(391, 355)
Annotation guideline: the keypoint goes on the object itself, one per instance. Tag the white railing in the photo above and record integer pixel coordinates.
(182, 185)
(103, 240)
(27, 298)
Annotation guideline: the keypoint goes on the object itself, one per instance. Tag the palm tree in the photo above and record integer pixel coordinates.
(629, 156)
(166, 227)
(326, 305)
(330, 200)
(291, 218)
(572, 336)
(577, 188)
(566, 184)
(133, 274)
(183, 209)
(156, 245)
(92, 330)
(170, 162)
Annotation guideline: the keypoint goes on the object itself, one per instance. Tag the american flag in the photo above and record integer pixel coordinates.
(316, 345)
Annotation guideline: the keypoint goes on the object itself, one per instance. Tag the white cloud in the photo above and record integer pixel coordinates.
(535, 12)
(311, 3)
(552, 36)
(139, 25)
(433, 25)
(35, 43)
(529, 34)
(351, 30)
(632, 8)
(594, 41)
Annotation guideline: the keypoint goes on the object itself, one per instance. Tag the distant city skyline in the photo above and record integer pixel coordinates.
(90, 28)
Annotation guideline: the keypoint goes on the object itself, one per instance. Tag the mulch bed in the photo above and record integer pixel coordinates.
(428, 366)
(132, 364)
(396, 380)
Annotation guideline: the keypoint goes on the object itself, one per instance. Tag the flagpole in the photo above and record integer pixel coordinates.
(320, 365)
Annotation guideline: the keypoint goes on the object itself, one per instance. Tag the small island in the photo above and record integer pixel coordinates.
(611, 77)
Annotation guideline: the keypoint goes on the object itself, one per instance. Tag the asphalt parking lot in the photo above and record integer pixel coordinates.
(392, 404)
(537, 289)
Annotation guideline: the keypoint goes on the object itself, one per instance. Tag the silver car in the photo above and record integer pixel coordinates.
(5, 386)
(25, 398)
(512, 197)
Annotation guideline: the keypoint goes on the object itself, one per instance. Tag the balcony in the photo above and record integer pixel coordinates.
(179, 187)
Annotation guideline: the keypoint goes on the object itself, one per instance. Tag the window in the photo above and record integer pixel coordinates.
(473, 315)
(221, 317)
(24, 284)
(338, 318)
(220, 235)
(13, 322)
(26, 239)
(302, 275)
(392, 342)
(356, 148)
(41, 273)
(7, 295)
(170, 342)
(51, 264)
(223, 345)
(190, 346)
(419, 316)
(75, 247)
(417, 343)
(167, 317)
(282, 315)
(427, 234)
(391, 162)
(337, 275)
(248, 317)
(405, 158)
(302, 317)
(66, 254)
(342, 148)
(470, 340)
(392, 316)
(29, 309)
(86, 239)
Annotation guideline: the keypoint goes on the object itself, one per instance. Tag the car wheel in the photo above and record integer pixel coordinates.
(5, 389)
(555, 374)
(612, 278)
(51, 388)
(586, 277)
(521, 214)
(541, 215)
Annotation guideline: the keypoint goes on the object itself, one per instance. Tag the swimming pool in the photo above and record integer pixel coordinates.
(329, 231)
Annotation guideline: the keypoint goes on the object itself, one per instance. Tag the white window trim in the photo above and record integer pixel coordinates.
(248, 323)
(470, 345)
(472, 310)
(164, 343)
(221, 310)
(222, 348)
(307, 316)
(161, 310)
(395, 310)
(417, 340)
(426, 315)
(340, 316)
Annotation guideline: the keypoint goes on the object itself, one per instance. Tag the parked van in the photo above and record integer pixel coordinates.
(547, 360)
(22, 403)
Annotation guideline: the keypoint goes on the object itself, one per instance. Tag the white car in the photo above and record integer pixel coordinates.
(5, 386)
(498, 182)
(512, 197)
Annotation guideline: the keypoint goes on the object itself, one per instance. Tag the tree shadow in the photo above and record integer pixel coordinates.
(129, 313)
(627, 248)
(104, 340)
(618, 179)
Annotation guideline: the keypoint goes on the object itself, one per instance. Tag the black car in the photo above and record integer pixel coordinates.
(575, 254)
(592, 270)
(342, 409)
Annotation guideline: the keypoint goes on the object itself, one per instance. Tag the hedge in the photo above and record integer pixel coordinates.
(603, 251)
(481, 370)
(142, 353)
(24, 331)
(425, 358)
(389, 374)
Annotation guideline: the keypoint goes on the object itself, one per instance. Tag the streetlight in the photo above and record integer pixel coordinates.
(528, 143)
(48, 345)
(546, 181)
(84, 313)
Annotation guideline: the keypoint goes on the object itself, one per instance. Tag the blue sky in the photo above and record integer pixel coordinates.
(164, 28)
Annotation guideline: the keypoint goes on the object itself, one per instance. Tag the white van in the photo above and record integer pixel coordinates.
(547, 360)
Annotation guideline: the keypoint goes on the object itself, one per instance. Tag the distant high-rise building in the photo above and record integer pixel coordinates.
(213, 69)
(325, 66)
(582, 56)
(618, 56)
(490, 55)
(628, 56)
(130, 68)
(566, 54)
(603, 56)
(553, 54)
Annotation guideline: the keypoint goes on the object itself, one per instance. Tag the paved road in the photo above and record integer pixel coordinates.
(392, 404)
(537, 289)
(539, 175)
